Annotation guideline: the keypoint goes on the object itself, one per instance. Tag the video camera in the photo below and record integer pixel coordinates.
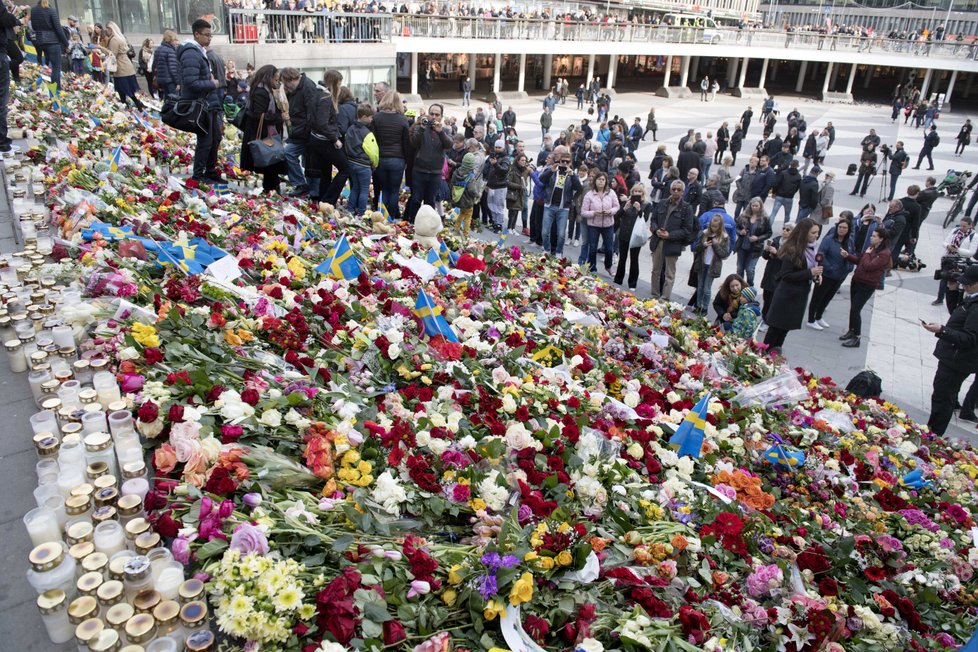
(952, 267)
(885, 150)
(425, 121)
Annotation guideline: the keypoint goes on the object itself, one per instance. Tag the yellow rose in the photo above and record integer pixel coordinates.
(493, 608)
(145, 335)
(522, 590)
(565, 558)
(449, 596)
(477, 504)
(453, 577)
(546, 563)
(530, 556)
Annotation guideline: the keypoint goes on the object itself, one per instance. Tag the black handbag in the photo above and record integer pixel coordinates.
(267, 151)
(186, 115)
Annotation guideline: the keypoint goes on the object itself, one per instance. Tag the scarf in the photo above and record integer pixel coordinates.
(810, 251)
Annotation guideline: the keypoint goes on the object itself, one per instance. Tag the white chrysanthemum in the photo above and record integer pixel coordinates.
(288, 599)
(389, 493)
(494, 495)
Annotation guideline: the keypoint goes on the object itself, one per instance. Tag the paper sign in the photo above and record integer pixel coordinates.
(225, 269)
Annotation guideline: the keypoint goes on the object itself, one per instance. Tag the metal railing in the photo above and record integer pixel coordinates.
(266, 26)
(260, 26)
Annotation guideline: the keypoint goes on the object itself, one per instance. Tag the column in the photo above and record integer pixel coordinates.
(731, 70)
(967, 85)
(694, 66)
(612, 69)
(814, 72)
(497, 62)
(590, 70)
(774, 69)
(924, 87)
(760, 84)
(684, 73)
(472, 70)
(835, 75)
(950, 86)
(801, 76)
(743, 73)
(852, 78)
(828, 75)
(668, 73)
(870, 73)
(414, 73)
(522, 79)
(548, 66)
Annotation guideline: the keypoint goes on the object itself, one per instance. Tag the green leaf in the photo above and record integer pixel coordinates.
(377, 611)
(212, 548)
(343, 542)
(371, 629)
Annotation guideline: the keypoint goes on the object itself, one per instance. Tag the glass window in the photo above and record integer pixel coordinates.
(190, 10)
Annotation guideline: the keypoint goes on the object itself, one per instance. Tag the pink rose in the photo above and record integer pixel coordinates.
(165, 459)
(181, 550)
(185, 449)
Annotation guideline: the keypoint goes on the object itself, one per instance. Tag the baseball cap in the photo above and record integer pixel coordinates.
(969, 275)
(816, 170)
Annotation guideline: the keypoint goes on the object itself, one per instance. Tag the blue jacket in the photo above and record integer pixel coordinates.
(539, 188)
(763, 182)
(835, 266)
(572, 186)
(165, 65)
(195, 70)
(729, 223)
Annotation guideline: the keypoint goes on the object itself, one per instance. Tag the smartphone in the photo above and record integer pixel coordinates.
(923, 322)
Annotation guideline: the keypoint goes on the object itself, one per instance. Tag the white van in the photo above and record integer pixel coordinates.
(711, 33)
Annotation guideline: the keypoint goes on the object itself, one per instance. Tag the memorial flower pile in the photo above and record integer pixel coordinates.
(348, 476)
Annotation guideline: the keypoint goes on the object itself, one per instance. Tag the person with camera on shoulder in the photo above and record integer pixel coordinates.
(956, 350)
(960, 242)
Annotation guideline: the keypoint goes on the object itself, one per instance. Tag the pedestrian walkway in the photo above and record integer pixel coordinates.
(897, 347)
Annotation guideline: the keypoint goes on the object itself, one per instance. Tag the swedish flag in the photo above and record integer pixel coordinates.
(448, 257)
(192, 256)
(688, 439)
(116, 159)
(971, 645)
(431, 318)
(30, 52)
(915, 480)
(340, 263)
(452, 215)
(384, 211)
(437, 261)
(94, 121)
(784, 459)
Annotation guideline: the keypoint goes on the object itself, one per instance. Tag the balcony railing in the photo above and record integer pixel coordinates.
(259, 26)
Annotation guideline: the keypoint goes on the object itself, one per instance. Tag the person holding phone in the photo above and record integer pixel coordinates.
(560, 186)
(871, 267)
(798, 271)
(598, 209)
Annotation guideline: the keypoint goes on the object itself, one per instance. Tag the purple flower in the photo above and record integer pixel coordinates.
(132, 383)
(509, 561)
(419, 587)
(181, 550)
(486, 585)
(248, 538)
(251, 499)
(524, 514)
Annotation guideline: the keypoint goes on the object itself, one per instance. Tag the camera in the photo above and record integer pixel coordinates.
(425, 121)
(952, 267)
(885, 150)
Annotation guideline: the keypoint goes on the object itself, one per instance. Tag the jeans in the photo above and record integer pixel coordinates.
(167, 88)
(390, 172)
(705, 163)
(554, 217)
(496, 198)
(466, 98)
(52, 53)
(78, 66)
(544, 131)
(585, 246)
(893, 184)
(424, 188)
(861, 294)
(803, 212)
(821, 296)
(293, 158)
(704, 289)
(746, 263)
(575, 224)
(607, 234)
(536, 223)
(206, 145)
(779, 202)
(359, 188)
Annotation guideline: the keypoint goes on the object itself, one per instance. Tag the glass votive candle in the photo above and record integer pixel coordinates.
(57, 504)
(53, 606)
(45, 491)
(63, 335)
(158, 559)
(46, 465)
(162, 645)
(109, 537)
(136, 487)
(45, 421)
(42, 525)
(169, 580)
(94, 421)
(120, 422)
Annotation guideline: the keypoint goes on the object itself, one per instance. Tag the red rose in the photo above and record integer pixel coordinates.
(166, 526)
(175, 414)
(828, 587)
(536, 627)
(230, 434)
(394, 632)
(214, 393)
(220, 482)
(250, 396)
(814, 559)
(149, 412)
(152, 355)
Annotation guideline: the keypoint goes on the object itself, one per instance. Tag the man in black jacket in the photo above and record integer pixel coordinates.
(895, 223)
(808, 193)
(301, 93)
(429, 139)
(785, 188)
(926, 199)
(198, 83)
(688, 160)
(912, 208)
(931, 140)
(7, 22)
(956, 352)
(509, 119)
(898, 162)
(672, 227)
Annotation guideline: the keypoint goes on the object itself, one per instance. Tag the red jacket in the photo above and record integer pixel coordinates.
(871, 267)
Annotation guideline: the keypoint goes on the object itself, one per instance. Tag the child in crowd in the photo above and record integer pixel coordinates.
(748, 316)
(78, 55)
(363, 156)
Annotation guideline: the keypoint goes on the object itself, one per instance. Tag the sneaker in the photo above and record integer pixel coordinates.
(762, 328)
(937, 302)
(526, 231)
(814, 325)
(822, 323)
(968, 416)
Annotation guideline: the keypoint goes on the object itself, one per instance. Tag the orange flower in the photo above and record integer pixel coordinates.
(719, 578)
(679, 542)
(598, 544)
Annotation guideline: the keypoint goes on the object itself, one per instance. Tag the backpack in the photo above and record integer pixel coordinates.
(131, 52)
(865, 384)
(746, 322)
(851, 170)
(371, 149)
(937, 138)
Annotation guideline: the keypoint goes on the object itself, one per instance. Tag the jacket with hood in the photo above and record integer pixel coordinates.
(808, 192)
(302, 102)
(165, 66)
(195, 75)
(430, 146)
(787, 184)
(322, 118)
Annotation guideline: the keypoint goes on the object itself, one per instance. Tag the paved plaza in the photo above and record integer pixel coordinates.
(894, 344)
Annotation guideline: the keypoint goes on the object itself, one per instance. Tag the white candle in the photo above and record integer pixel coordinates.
(42, 525)
(169, 581)
(63, 336)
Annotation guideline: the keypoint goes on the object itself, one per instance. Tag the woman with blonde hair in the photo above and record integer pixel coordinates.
(124, 77)
(712, 247)
(146, 64)
(390, 127)
(166, 70)
(637, 207)
(49, 37)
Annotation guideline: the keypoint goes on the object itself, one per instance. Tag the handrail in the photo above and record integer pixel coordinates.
(264, 26)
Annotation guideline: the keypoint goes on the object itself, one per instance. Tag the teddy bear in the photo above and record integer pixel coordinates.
(427, 226)
(379, 224)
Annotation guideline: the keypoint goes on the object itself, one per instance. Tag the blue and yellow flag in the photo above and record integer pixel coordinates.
(431, 318)
(95, 122)
(448, 257)
(780, 457)
(452, 215)
(384, 211)
(117, 159)
(971, 645)
(435, 259)
(340, 262)
(192, 256)
(915, 480)
(30, 52)
(688, 439)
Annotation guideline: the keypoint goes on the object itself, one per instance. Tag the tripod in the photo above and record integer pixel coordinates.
(884, 187)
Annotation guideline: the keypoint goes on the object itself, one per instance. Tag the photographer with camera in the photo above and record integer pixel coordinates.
(956, 350)
(899, 159)
(959, 246)
(428, 137)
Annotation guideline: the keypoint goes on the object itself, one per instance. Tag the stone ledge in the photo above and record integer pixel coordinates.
(837, 98)
(752, 92)
(680, 92)
(511, 96)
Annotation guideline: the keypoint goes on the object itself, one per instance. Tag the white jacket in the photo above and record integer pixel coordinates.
(967, 247)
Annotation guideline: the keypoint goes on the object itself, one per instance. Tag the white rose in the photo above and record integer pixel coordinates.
(635, 451)
(438, 420)
(211, 447)
(517, 436)
(127, 353)
(393, 351)
(588, 645)
(271, 418)
(509, 404)
(631, 399)
(423, 438)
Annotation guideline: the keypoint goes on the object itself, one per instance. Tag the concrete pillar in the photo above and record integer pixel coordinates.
(774, 70)
(548, 67)
(612, 70)
(472, 70)
(870, 73)
(835, 75)
(760, 84)
(743, 73)
(668, 73)
(414, 73)
(694, 66)
(967, 85)
(801, 76)
(925, 86)
(950, 86)
(731, 70)
(497, 62)
(828, 75)
(590, 70)
(852, 77)
(814, 72)
(684, 74)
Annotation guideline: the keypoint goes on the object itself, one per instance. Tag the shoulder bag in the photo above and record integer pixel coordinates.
(640, 233)
(267, 151)
(186, 115)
